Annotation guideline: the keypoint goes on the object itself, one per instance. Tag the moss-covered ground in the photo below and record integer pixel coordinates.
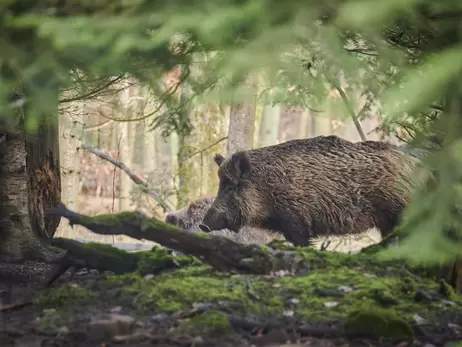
(369, 297)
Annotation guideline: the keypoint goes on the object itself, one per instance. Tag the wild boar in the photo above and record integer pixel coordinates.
(313, 188)
(192, 215)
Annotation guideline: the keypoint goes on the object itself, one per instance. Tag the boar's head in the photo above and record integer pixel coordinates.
(237, 199)
(189, 217)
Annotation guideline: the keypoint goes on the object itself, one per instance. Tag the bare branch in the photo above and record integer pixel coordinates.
(351, 111)
(208, 147)
(437, 107)
(134, 177)
(98, 126)
(93, 92)
(361, 51)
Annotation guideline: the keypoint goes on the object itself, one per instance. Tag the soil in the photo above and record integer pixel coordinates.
(21, 283)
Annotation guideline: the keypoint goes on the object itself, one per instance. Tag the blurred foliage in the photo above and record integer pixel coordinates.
(405, 56)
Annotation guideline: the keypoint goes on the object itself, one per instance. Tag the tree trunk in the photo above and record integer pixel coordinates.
(44, 177)
(269, 125)
(241, 128)
(126, 151)
(306, 120)
(242, 121)
(30, 175)
(71, 133)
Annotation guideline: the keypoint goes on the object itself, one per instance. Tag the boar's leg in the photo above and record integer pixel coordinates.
(293, 231)
(386, 223)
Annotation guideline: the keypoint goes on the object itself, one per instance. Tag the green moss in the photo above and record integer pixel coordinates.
(51, 319)
(375, 322)
(265, 250)
(56, 250)
(447, 291)
(281, 245)
(173, 294)
(111, 258)
(115, 218)
(66, 295)
(368, 281)
(212, 323)
(351, 281)
(203, 235)
(158, 259)
(156, 224)
(127, 216)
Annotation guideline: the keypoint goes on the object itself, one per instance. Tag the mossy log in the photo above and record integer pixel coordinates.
(220, 252)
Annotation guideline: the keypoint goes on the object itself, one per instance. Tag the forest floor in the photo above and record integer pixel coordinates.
(197, 306)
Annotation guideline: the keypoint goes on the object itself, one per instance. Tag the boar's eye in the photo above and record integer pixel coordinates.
(227, 185)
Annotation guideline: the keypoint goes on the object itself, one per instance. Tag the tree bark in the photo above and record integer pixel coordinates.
(269, 125)
(241, 128)
(44, 179)
(242, 121)
(29, 172)
(71, 132)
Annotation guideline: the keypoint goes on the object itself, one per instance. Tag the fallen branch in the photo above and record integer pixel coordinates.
(218, 251)
(134, 177)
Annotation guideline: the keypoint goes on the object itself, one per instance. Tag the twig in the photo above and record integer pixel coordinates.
(97, 126)
(208, 147)
(134, 177)
(113, 180)
(437, 107)
(325, 244)
(351, 111)
(94, 92)
(361, 51)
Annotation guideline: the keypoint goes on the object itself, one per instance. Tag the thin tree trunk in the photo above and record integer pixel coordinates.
(305, 124)
(126, 155)
(70, 140)
(269, 125)
(242, 120)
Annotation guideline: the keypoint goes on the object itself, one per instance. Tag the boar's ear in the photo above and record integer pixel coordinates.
(172, 219)
(218, 158)
(241, 165)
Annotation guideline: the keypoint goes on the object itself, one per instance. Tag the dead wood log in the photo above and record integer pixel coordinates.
(220, 252)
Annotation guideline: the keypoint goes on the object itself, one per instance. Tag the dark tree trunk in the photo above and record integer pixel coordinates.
(44, 180)
(29, 174)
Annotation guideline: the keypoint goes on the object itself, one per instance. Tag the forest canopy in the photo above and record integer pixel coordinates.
(405, 56)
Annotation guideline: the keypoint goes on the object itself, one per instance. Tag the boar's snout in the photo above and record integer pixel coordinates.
(204, 228)
(213, 220)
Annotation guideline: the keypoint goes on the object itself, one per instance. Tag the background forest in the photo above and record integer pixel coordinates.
(118, 124)
(111, 105)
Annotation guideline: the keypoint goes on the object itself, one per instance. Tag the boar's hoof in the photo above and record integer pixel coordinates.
(204, 228)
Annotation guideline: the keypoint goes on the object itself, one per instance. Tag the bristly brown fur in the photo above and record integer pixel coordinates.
(318, 187)
(192, 215)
